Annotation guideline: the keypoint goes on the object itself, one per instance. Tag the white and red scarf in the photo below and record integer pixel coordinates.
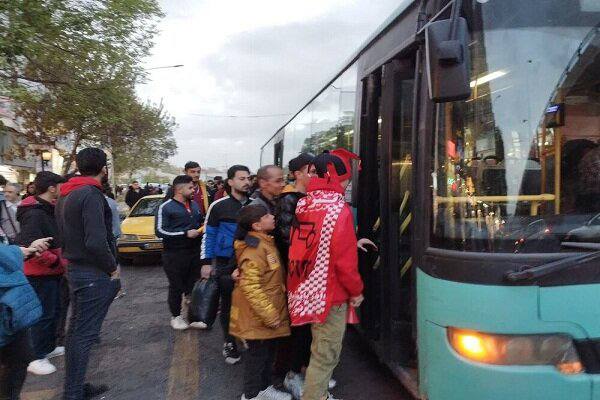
(309, 275)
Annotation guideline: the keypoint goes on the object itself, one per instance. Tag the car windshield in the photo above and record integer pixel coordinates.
(517, 166)
(146, 207)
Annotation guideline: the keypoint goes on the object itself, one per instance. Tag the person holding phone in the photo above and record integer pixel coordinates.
(17, 294)
(35, 214)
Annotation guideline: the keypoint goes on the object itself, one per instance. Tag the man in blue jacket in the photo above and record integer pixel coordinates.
(178, 222)
(217, 247)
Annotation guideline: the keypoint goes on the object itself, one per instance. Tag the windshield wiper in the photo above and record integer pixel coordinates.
(529, 273)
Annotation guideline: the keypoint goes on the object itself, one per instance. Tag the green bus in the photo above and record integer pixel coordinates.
(478, 126)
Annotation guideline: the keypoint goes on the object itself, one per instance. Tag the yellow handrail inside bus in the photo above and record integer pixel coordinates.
(495, 199)
(535, 200)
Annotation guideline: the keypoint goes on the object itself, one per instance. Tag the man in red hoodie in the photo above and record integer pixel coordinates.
(36, 217)
(323, 278)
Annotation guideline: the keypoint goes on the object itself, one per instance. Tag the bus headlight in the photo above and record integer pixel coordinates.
(557, 350)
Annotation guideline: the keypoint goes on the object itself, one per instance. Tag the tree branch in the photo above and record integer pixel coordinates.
(31, 79)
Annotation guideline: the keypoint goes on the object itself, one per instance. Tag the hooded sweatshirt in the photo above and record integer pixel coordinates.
(36, 217)
(84, 223)
(323, 259)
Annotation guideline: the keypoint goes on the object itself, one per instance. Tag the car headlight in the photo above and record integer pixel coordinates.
(557, 350)
(128, 238)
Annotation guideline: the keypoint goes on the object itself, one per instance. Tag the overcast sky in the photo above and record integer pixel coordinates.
(259, 57)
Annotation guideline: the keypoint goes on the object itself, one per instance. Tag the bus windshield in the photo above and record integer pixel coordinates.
(516, 167)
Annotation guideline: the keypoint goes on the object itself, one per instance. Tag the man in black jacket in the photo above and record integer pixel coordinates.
(271, 183)
(178, 223)
(85, 227)
(134, 193)
(293, 353)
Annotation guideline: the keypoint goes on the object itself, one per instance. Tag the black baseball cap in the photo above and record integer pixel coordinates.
(304, 159)
(43, 180)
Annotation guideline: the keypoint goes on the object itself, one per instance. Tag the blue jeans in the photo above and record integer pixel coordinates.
(43, 333)
(92, 292)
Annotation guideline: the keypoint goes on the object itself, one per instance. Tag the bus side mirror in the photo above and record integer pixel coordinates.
(448, 60)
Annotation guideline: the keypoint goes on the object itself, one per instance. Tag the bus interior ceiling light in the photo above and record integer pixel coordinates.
(487, 78)
(552, 349)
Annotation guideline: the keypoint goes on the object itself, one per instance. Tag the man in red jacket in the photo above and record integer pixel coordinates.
(36, 217)
(323, 278)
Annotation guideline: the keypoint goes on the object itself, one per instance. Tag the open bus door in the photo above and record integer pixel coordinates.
(385, 210)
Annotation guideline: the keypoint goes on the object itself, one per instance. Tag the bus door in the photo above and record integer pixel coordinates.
(368, 210)
(385, 209)
(396, 209)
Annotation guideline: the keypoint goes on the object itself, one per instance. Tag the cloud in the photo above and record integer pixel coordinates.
(249, 58)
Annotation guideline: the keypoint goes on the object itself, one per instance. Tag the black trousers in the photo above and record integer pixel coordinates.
(226, 285)
(43, 332)
(182, 267)
(258, 361)
(293, 352)
(61, 324)
(14, 358)
(301, 340)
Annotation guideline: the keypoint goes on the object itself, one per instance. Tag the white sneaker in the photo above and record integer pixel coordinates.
(330, 397)
(57, 352)
(332, 383)
(271, 393)
(294, 383)
(198, 325)
(178, 323)
(41, 367)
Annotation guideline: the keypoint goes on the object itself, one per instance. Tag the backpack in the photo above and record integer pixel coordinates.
(20, 307)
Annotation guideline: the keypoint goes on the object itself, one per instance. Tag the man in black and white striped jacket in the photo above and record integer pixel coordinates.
(178, 221)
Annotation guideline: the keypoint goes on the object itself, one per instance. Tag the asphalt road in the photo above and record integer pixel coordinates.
(141, 357)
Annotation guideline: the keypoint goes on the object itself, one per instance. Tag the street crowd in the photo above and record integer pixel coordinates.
(276, 255)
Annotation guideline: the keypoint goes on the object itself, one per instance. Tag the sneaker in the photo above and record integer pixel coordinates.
(332, 383)
(178, 323)
(330, 397)
(232, 356)
(198, 325)
(185, 308)
(271, 393)
(57, 352)
(41, 367)
(294, 383)
(91, 391)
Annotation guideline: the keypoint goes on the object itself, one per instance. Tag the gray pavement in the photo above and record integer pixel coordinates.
(141, 357)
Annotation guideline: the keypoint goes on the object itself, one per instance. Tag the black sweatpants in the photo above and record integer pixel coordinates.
(258, 361)
(301, 340)
(14, 358)
(182, 267)
(226, 286)
(293, 352)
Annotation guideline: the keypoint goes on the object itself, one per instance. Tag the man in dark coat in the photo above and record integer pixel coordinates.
(85, 225)
(134, 193)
